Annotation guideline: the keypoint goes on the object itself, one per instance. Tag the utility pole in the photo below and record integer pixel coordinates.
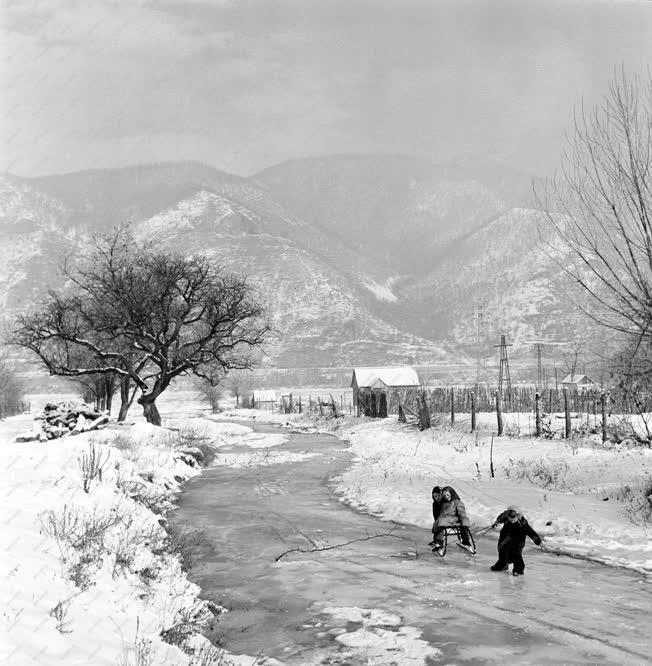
(503, 372)
(480, 322)
(539, 348)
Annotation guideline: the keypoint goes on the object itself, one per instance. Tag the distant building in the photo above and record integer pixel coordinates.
(578, 383)
(263, 399)
(377, 392)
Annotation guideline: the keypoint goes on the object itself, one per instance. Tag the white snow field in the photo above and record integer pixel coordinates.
(87, 579)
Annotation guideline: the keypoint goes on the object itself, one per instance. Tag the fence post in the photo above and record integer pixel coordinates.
(567, 414)
(537, 412)
(550, 402)
(452, 406)
(499, 414)
(472, 411)
(603, 404)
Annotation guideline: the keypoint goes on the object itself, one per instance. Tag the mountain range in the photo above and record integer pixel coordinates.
(362, 260)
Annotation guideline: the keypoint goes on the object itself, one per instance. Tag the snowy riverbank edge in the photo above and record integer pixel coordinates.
(583, 498)
(90, 575)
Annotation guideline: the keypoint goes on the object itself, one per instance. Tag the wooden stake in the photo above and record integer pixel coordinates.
(603, 403)
(472, 411)
(567, 414)
(491, 457)
(452, 406)
(537, 412)
(499, 414)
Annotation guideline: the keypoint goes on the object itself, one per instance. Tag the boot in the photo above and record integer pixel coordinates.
(499, 566)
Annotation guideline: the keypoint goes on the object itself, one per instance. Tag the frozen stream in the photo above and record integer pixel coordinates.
(305, 609)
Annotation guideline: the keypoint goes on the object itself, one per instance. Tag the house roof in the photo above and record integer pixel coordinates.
(264, 396)
(577, 379)
(392, 376)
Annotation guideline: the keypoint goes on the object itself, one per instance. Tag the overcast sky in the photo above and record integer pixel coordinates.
(242, 85)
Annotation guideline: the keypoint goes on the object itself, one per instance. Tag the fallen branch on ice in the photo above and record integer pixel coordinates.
(346, 543)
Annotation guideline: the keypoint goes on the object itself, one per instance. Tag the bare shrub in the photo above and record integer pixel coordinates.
(60, 614)
(512, 429)
(186, 543)
(197, 444)
(92, 464)
(544, 473)
(123, 442)
(637, 500)
(139, 653)
(80, 538)
(548, 430)
(188, 621)
(207, 655)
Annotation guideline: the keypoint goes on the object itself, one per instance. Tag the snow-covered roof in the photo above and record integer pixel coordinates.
(577, 379)
(264, 396)
(396, 376)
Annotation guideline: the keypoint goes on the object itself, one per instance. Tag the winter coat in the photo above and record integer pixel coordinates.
(452, 513)
(512, 535)
(436, 505)
(436, 508)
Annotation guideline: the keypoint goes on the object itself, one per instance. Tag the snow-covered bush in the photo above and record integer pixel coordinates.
(637, 500)
(92, 464)
(80, 537)
(541, 472)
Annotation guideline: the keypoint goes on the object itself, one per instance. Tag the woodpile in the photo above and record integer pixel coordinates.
(63, 419)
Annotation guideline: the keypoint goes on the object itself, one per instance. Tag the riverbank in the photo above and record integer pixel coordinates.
(91, 575)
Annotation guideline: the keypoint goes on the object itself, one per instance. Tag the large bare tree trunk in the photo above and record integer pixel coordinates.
(150, 412)
(125, 402)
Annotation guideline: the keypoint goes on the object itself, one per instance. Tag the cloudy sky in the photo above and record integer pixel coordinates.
(245, 84)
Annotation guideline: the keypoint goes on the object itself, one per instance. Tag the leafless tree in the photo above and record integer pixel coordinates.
(98, 389)
(210, 386)
(600, 208)
(239, 382)
(146, 315)
(11, 388)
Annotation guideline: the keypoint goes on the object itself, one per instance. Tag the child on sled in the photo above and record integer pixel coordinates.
(512, 540)
(448, 510)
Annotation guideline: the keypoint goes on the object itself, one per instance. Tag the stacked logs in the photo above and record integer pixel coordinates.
(62, 419)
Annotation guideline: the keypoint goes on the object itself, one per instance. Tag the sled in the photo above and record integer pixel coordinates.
(455, 531)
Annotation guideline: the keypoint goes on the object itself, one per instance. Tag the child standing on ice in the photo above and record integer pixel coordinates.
(512, 540)
(448, 510)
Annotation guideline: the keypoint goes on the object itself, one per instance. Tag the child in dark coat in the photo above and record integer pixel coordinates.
(448, 510)
(512, 540)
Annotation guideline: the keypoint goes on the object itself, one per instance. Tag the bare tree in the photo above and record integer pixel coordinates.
(210, 386)
(11, 388)
(98, 389)
(600, 208)
(145, 315)
(239, 382)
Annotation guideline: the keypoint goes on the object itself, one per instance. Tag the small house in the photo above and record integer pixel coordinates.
(263, 399)
(378, 392)
(578, 383)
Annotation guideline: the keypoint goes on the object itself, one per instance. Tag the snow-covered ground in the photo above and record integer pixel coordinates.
(586, 499)
(90, 575)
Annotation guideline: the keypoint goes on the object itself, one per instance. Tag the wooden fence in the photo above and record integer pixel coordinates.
(542, 405)
(523, 399)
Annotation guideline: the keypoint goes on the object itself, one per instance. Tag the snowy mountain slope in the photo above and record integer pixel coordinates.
(397, 212)
(505, 268)
(316, 306)
(362, 259)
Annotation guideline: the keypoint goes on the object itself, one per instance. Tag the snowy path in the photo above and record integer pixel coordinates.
(373, 602)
